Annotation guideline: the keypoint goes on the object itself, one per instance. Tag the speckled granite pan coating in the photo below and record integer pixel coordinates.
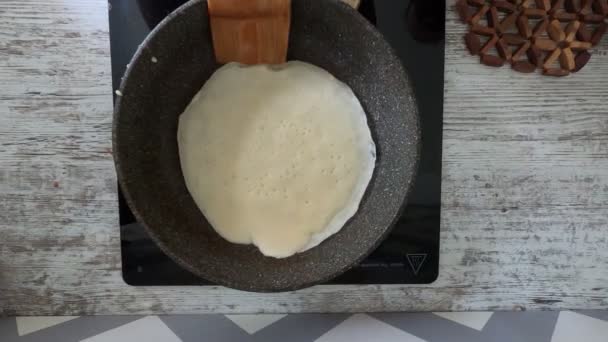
(156, 90)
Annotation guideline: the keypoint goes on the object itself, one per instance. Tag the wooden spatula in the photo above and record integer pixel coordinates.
(250, 31)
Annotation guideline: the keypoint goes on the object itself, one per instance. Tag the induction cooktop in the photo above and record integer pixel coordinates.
(410, 254)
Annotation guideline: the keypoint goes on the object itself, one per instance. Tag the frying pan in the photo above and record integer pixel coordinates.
(172, 65)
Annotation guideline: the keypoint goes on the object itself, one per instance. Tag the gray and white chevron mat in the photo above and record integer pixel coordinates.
(543, 326)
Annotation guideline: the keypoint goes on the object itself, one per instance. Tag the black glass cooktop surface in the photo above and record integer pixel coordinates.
(410, 254)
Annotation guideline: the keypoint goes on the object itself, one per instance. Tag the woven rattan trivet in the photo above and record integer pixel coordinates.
(551, 35)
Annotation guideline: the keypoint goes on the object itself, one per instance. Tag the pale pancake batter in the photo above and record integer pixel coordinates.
(276, 156)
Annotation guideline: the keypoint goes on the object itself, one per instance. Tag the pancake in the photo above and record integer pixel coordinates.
(278, 157)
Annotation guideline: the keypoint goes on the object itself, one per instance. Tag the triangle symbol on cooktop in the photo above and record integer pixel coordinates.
(416, 261)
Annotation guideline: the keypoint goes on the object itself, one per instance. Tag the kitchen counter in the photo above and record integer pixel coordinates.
(525, 186)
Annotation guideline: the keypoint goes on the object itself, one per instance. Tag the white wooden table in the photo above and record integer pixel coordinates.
(525, 185)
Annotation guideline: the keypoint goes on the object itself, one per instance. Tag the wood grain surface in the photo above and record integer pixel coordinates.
(250, 32)
(525, 185)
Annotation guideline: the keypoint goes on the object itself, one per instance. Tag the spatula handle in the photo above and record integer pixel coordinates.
(250, 31)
